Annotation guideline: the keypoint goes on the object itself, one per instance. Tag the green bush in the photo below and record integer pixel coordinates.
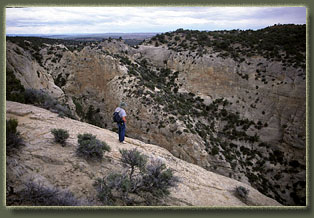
(13, 138)
(11, 126)
(215, 151)
(242, 193)
(60, 135)
(104, 193)
(14, 89)
(158, 179)
(78, 107)
(92, 116)
(133, 159)
(90, 147)
(149, 182)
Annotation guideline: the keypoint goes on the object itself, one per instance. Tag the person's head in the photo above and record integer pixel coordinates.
(123, 105)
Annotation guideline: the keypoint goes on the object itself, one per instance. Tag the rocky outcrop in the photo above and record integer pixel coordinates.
(266, 92)
(245, 120)
(45, 161)
(27, 69)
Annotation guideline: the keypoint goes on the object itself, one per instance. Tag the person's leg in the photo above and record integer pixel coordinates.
(122, 134)
(119, 131)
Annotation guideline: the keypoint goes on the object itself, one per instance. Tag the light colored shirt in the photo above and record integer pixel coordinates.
(121, 112)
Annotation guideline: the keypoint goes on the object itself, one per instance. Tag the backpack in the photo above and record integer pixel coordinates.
(117, 118)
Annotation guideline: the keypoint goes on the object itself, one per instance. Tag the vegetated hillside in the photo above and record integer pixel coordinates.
(286, 43)
(222, 100)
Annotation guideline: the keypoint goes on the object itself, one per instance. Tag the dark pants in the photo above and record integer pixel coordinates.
(121, 127)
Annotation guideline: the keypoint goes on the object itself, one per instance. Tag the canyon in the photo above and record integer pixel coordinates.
(241, 116)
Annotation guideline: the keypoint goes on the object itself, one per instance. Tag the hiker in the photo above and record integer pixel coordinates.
(119, 118)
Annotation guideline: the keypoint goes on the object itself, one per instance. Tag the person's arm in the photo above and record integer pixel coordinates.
(124, 119)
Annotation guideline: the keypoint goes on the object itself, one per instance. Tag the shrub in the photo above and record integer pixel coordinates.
(215, 151)
(14, 88)
(117, 183)
(90, 147)
(60, 81)
(92, 116)
(133, 158)
(35, 194)
(158, 179)
(242, 193)
(42, 99)
(78, 107)
(150, 182)
(104, 193)
(294, 164)
(34, 96)
(13, 139)
(11, 126)
(60, 135)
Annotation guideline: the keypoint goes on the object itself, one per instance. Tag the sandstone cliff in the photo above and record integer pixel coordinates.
(241, 117)
(45, 161)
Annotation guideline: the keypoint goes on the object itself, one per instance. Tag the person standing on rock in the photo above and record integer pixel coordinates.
(121, 120)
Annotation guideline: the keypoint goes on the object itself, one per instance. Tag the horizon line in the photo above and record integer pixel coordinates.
(157, 32)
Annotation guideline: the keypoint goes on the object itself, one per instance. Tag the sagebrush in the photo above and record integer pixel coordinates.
(36, 194)
(242, 193)
(133, 159)
(141, 183)
(91, 148)
(13, 139)
(60, 135)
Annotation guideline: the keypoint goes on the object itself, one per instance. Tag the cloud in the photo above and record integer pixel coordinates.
(61, 20)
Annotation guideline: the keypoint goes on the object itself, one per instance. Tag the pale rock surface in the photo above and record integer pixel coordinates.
(44, 160)
(29, 72)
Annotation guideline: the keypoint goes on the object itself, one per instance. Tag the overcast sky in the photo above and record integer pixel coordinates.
(68, 20)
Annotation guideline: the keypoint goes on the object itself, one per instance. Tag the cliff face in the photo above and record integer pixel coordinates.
(44, 161)
(28, 70)
(242, 119)
(275, 100)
